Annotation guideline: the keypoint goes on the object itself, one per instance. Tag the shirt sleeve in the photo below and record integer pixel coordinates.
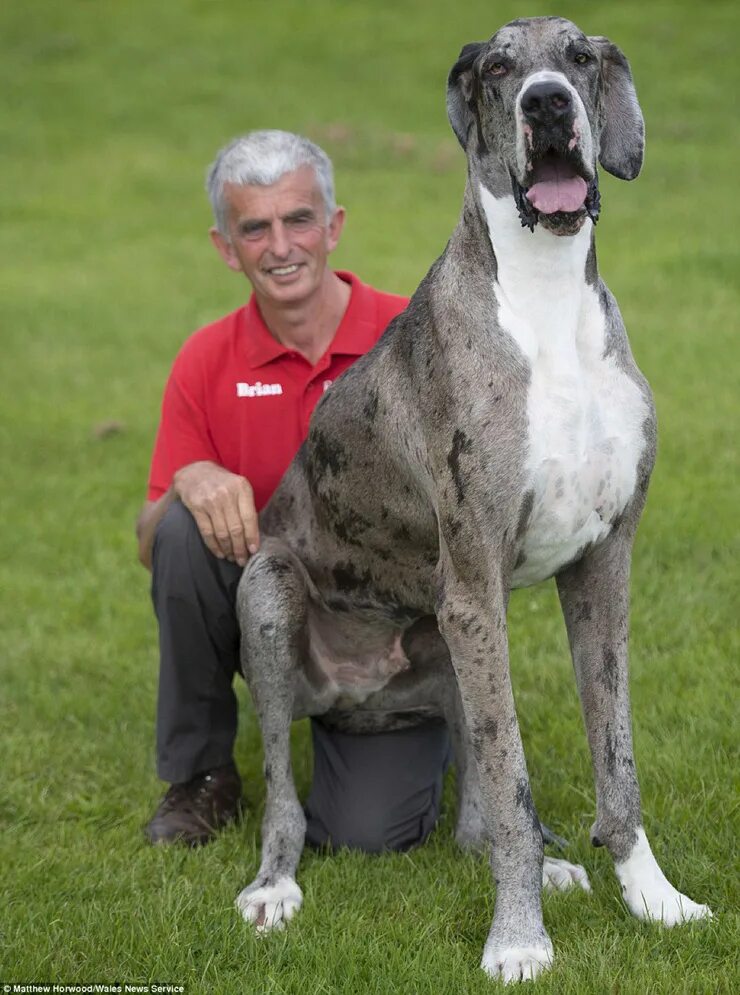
(183, 436)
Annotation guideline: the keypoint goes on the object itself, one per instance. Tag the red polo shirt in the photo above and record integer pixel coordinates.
(239, 398)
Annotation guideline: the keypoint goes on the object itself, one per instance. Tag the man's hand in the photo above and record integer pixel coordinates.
(222, 504)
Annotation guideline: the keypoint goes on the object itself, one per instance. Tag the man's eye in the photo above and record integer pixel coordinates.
(497, 69)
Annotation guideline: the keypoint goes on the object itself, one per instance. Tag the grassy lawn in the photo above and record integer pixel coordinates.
(111, 112)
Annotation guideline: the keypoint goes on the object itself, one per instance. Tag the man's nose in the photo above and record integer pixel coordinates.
(279, 241)
(546, 103)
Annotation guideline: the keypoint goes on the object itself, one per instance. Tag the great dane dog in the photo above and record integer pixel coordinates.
(499, 434)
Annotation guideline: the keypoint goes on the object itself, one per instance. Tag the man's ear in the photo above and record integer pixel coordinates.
(225, 249)
(623, 129)
(335, 227)
(460, 96)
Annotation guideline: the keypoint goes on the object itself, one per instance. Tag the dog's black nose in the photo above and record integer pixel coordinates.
(546, 103)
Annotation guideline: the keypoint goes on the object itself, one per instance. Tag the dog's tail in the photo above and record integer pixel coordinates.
(550, 837)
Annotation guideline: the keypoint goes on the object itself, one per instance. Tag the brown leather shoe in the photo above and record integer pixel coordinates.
(194, 811)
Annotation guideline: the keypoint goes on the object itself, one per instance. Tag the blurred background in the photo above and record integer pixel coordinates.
(111, 113)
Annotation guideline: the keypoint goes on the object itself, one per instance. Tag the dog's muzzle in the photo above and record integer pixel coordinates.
(559, 189)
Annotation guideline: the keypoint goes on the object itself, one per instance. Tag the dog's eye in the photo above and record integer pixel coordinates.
(497, 69)
(582, 58)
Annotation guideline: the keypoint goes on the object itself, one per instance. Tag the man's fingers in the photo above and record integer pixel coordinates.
(221, 531)
(222, 504)
(236, 530)
(248, 516)
(205, 527)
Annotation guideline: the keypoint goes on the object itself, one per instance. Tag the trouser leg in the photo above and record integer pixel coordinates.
(194, 596)
(376, 792)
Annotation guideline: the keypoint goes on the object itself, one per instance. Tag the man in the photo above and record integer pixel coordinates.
(236, 409)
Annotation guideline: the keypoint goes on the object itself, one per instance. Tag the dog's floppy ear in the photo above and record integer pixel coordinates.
(623, 130)
(460, 95)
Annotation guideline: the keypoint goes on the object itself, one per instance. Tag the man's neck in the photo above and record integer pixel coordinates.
(310, 325)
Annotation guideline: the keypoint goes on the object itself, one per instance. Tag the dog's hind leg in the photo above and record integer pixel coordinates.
(428, 653)
(272, 609)
(470, 829)
(595, 600)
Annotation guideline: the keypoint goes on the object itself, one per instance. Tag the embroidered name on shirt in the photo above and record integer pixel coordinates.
(258, 389)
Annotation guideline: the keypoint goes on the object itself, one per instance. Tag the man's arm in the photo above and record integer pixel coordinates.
(222, 504)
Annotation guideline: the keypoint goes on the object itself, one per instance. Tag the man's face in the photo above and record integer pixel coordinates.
(279, 236)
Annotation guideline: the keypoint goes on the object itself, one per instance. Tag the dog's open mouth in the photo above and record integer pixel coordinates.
(556, 193)
(556, 185)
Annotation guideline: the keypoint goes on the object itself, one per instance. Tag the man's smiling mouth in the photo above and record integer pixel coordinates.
(283, 270)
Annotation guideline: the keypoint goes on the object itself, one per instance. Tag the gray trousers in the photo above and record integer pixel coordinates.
(373, 792)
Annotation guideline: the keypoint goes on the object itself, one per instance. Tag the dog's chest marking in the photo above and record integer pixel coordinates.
(585, 415)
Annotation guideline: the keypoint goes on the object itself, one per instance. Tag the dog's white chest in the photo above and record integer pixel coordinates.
(584, 445)
(585, 416)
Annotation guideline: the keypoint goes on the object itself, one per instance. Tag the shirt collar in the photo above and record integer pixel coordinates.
(355, 335)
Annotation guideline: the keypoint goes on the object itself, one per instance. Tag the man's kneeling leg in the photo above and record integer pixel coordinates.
(376, 792)
(194, 594)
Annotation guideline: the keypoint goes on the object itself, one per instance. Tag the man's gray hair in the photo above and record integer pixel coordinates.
(262, 158)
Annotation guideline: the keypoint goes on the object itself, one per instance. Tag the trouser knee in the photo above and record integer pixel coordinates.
(371, 832)
(181, 561)
(376, 792)
(174, 535)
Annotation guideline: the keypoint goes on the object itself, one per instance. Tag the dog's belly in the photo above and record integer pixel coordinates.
(347, 662)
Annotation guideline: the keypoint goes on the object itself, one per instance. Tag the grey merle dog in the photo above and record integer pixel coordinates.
(499, 434)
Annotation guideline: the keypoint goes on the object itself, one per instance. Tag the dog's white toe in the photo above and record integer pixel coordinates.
(661, 902)
(517, 963)
(560, 875)
(270, 906)
(649, 894)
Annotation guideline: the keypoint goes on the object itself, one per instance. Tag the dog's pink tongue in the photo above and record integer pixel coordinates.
(557, 188)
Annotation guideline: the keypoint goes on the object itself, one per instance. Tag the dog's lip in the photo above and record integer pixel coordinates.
(567, 158)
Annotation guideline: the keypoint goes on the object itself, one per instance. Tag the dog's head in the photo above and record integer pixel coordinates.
(535, 109)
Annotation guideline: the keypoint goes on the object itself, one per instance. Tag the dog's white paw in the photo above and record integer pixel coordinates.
(661, 902)
(560, 875)
(270, 906)
(649, 894)
(517, 963)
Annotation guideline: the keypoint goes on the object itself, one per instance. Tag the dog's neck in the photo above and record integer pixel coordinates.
(541, 278)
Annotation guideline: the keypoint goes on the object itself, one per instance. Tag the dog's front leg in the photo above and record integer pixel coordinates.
(271, 605)
(594, 595)
(472, 618)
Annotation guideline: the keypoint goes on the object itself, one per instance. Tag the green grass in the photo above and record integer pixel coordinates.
(111, 112)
